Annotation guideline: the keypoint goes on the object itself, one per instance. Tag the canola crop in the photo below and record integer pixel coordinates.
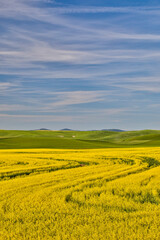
(96, 194)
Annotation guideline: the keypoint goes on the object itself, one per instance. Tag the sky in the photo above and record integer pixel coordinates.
(80, 64)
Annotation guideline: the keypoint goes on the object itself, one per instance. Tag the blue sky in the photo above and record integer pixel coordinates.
(79, 64)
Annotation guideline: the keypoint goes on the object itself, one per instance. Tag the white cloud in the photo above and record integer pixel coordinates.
(36, 118)
(90, 115)
(95, 9)
(55, 102)
(78, 97)
(7, 86)
(50, 43)
(153, 88)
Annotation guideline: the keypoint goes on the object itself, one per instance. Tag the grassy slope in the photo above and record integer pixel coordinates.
(77, 139)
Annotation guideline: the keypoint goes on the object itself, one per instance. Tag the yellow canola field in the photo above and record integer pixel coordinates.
(97, 194)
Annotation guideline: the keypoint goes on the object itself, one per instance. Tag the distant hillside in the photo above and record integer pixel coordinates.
(43, 129)
(67, 139)
(113, 130)
(66, 129)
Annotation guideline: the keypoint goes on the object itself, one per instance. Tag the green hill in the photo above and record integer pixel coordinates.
(15, 139)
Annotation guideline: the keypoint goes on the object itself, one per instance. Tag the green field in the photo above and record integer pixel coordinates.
(70, 185)
(77, 139)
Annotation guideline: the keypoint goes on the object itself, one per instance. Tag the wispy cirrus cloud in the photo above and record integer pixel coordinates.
(8, 87)
(97, 9)
(56, 101)
(77, 97)
(151, 87)
(68, 60)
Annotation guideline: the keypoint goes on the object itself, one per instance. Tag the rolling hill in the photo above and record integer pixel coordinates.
(17, 139)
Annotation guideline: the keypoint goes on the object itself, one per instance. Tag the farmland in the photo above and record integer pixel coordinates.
(77, 139)
(78, 194)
